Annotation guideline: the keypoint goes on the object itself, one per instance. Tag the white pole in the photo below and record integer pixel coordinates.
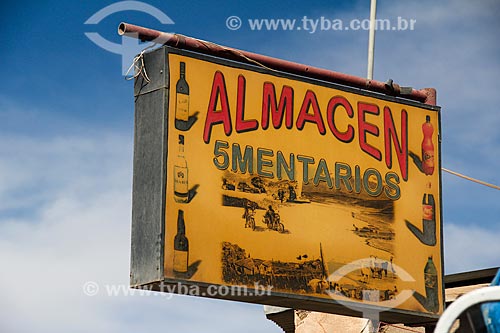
(371, 39)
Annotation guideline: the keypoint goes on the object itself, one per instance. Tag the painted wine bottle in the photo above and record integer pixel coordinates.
(181, 185)
(182, 100)
(181, 245)
(427, 147)
(429, 218)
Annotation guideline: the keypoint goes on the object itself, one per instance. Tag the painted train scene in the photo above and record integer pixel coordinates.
(373, 280)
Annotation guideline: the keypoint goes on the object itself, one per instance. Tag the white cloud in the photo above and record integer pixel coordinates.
(79, 232)
(470, 247)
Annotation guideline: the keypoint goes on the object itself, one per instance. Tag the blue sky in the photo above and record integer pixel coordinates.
(66, 130)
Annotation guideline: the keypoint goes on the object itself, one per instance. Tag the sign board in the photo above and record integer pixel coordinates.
(326, 197)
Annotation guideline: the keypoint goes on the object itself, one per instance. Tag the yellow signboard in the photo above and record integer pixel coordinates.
(302, 187)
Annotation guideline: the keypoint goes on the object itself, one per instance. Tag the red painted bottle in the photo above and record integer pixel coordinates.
(427, 147)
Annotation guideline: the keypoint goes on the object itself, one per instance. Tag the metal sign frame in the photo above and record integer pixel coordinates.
(149, 193)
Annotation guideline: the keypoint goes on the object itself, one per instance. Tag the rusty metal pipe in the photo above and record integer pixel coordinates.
(426, 95)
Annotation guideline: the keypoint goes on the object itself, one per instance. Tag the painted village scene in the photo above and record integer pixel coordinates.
(271, 206)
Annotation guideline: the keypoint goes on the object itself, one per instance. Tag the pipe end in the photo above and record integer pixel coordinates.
(122, 28)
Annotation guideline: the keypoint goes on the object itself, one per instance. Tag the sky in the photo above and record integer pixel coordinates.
(66, 144)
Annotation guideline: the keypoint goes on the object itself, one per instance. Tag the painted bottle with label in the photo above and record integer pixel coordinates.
(182, 100)
(429, 218)
(431, 286)
(428, 233)
(430, 301)
(427, 147)
(428, 205)
(181, 186)
(181, 246)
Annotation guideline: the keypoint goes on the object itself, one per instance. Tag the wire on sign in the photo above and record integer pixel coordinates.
(138, 66)
(471, 179)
